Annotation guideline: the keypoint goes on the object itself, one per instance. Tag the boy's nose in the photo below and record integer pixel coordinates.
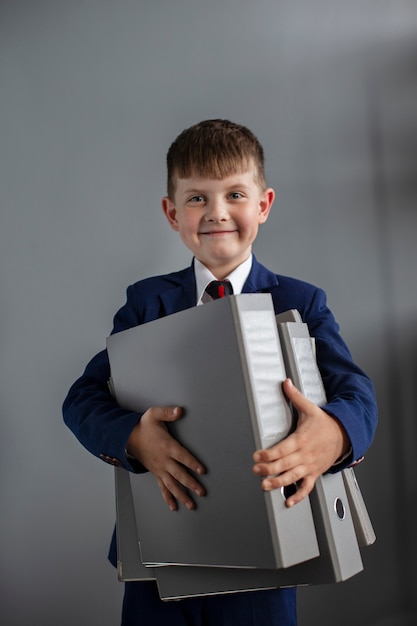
(216, 211)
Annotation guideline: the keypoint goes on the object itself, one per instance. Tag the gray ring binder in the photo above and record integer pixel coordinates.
(316, 541)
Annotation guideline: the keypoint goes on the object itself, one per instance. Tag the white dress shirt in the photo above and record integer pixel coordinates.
(203, 277)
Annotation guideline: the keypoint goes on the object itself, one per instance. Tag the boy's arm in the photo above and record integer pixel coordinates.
(95, 418)
(338, 433)
(109, 432)
(89, 409)
(349, 391)
(118, 436)
(91, 412)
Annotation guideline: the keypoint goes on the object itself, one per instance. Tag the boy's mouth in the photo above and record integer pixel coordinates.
(218, 233)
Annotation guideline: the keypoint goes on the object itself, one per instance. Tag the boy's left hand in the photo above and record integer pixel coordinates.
(316, 444)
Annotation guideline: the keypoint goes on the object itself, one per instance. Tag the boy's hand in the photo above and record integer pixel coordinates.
(315, 445)
(152, 445)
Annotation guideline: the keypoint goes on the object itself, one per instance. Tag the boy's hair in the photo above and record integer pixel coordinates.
(214, 149)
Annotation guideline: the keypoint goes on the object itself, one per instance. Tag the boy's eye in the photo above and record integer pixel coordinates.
(196, 199)
(235, 195)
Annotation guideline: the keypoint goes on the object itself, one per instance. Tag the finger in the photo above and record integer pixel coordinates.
(279, 466)
(300, 402)
(277, 451)
(184, 457)
(165, 413)
(167, 496)
(176, 450)
(297, 490)
(173, 490)
(283, 479)
(304, 489)
(185, 479)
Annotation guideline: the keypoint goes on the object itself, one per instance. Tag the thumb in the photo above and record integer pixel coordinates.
(168, 413)
(294, 395)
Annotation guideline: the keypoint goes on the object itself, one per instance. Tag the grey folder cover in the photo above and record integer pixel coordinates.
(223, 364)
(129, 563)
(329, 497)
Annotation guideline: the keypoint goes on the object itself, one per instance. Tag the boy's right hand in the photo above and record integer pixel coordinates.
(152, 445)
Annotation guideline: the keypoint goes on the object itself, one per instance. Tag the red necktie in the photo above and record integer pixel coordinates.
(219, 289)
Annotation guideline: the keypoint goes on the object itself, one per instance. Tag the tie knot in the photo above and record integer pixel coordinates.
(219, 289)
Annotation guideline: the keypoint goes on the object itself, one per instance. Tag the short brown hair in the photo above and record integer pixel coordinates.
(216, 149)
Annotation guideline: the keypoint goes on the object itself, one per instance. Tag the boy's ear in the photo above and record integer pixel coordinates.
(170, 212)
(265, 204)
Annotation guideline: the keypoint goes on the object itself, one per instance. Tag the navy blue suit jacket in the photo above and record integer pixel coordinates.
(104, 428)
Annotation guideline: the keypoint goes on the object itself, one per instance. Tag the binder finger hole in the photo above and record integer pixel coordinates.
(289, 490)
(339, 508)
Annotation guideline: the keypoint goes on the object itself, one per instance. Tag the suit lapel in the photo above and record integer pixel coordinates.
(182, 294)
(260, 279)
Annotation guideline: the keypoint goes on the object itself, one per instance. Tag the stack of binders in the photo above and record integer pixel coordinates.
(224, 363)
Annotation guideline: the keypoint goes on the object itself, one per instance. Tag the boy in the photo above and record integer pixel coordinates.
(217, 198)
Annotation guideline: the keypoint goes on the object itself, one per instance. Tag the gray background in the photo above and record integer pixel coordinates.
(91, 94)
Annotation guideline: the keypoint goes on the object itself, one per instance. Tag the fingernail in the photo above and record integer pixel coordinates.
(267, 485)
(256, 457)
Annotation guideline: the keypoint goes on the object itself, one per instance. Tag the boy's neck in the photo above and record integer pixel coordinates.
(223, 272)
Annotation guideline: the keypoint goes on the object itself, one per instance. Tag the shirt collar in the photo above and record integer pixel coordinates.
(203, 277)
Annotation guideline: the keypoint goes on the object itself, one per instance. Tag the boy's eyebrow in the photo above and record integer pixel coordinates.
(202, 190)
(192, 190)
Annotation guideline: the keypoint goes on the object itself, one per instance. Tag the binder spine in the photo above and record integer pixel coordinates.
(292, 529)
(299, 351)
(265, 371)
(361, 520)
(337, 537)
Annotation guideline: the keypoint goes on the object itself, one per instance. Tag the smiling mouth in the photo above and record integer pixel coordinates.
(217, 233)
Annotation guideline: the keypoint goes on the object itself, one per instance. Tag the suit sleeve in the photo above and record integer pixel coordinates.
(350, 392)
(89, 409)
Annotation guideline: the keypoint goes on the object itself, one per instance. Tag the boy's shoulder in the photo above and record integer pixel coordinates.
(287, 292)
(157, 296)
(165, 281)
(290, 283)
(261, 277)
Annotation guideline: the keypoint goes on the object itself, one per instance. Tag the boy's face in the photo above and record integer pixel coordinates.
(218, 220)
